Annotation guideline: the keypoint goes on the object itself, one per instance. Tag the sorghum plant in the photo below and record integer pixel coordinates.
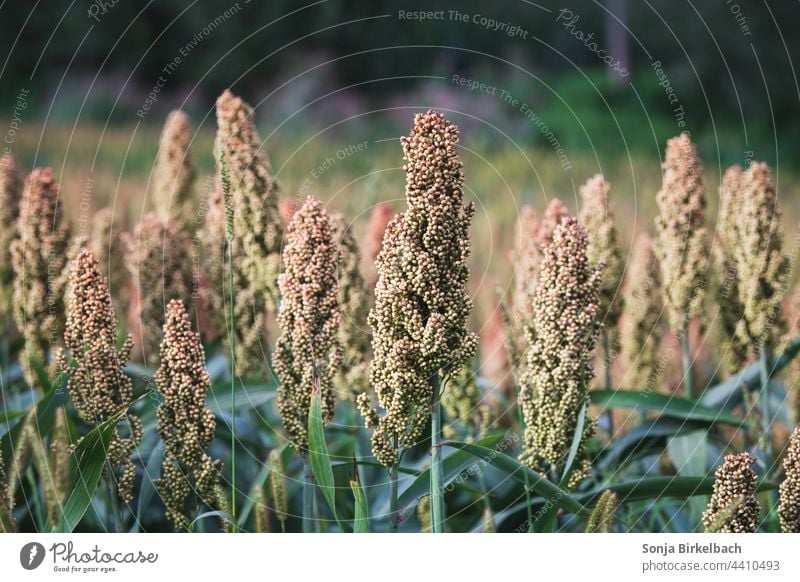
(597, 217)
(466, 412)
(10, 191)
(354, 337)
(158, 256)
(174, 177)
(40, 259)
(109, 249)
(307, 354)
(257, 221)
(421, 303)
(98, 386)
(559, 359)
(642, 325)
(733, 507)
(789, 506)
(277, 486)
(736, 347)
(602, 519)
(286, 208)
(681, 245)
(189, 476)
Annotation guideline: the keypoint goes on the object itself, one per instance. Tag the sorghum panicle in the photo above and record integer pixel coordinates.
(261, 521)
(277, 485)
(789, 506)
(597, 217)
(379, 219)
(681, 244)
(642, 324)
(307, 355)
(286, 208)
(735, 349)
(7, 522)
(466, 412)
(40, 258)
(249, 310)
(419, 320)
(733, 507)
(109, 248)
(10, 192)
(761, 266)
(792, 378)
(175, 172)
(158, 256)
(354, 336)
(96, 381)
(257, 222)
(602, 519)
(184, 423)
(559, 359)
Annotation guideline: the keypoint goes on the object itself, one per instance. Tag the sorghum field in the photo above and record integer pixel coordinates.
(226, 327)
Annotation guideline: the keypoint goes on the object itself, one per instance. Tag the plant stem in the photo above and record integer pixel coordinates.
(764, 362)
(393, 500)
(687, 358)
(308, 496)
(234, 525)
(437, 468)
(607, 372)
(113, 501)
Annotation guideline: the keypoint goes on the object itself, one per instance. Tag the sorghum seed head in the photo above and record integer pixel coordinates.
(10, 192)
(175, 172)
(559, 359)
(761, 266)
(109, 249)
(7, 522)
(681, 244)
(158, 256)
(257, 222)
(277, 485)
(96, 381)
(354, 336)
(261, 521)
(184, 423)
(307, 354)
(287, 207)
(789, 506)
(602, 518)
(597, 217)
(642, 324)
(496, 363)
(419, 320)
(424, 513)
(40, 263)
(792, 379)
(468, 415)
(733, 507)
(379, 219)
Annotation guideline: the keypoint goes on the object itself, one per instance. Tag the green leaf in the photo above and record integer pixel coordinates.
(516, 470)
(87, 462)
(648, 438)
(669, 406)
(361, 518)
(660, 487)
(728, 394)
(576, 443)
(40, 370)
(152, 471)
(455, 464)
(318, 455)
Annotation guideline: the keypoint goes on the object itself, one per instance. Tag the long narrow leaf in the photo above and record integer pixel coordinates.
(660, 487)
(665, 405)
(88, 460)
(361, 518)
(318, 454)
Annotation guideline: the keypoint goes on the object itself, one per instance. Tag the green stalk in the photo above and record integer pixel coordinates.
(308, 496)
(393, 498)
(113, 500)
(766, 413)
(234, 525)
(687, 358)
(437, 468)
(607, 372)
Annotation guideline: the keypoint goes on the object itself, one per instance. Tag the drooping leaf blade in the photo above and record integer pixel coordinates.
(663, 404)
(361, 517)
(319, 457)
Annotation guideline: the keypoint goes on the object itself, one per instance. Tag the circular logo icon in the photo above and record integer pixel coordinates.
(31, 555)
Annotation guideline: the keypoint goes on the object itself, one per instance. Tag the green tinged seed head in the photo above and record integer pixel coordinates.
(184, 423)
(463, 404)
(260, 510)
(307, 354)
(7, 523)
(96, 381)
(277, 485)
(761, 266)
(253, 196)
(10, 192)
(40, 263)
(789, 505)
(681, 244)
(354, 336)
(733, 507)
(597, 217)
(174, 177)
(158, 256)
(419, 321)
(559, 359)
(643, 325)
(424, 513)
(602, 519)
